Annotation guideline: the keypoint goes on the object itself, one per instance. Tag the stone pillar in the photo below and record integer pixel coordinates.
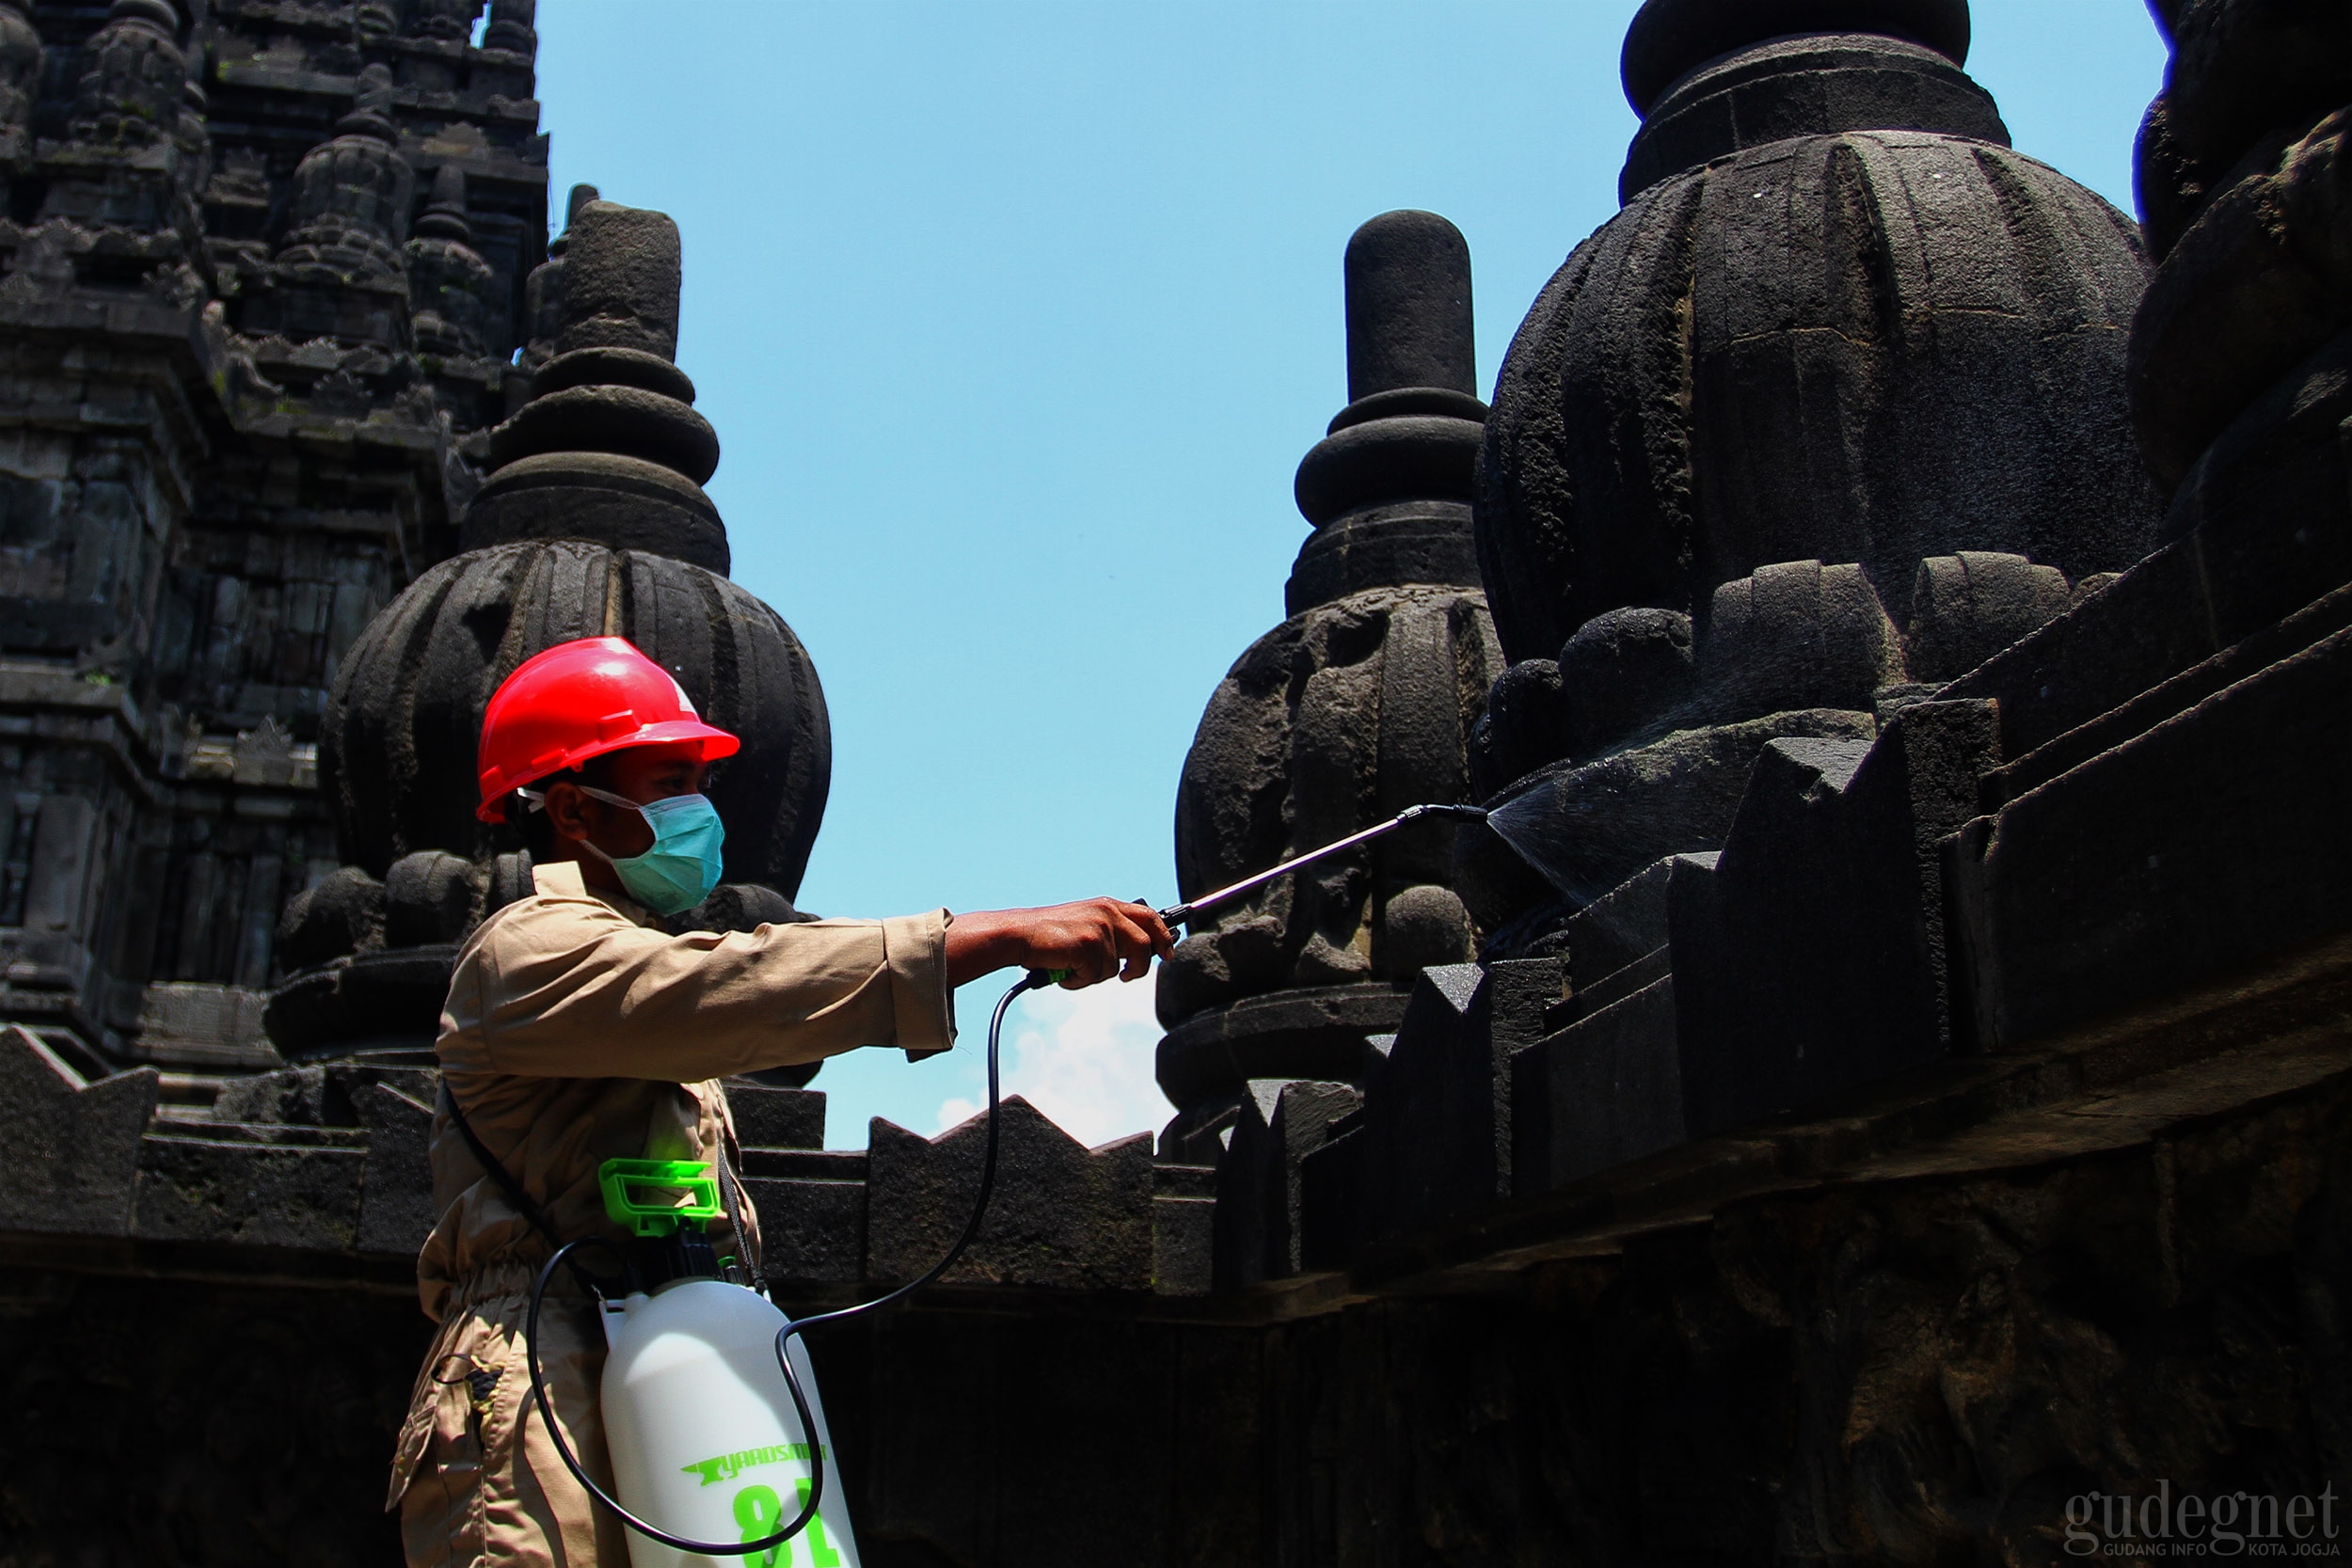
(511, 27)
(19, 84)
(448, 282)
(1351, 710)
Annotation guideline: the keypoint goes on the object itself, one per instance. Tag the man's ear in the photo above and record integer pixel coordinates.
(565, 806)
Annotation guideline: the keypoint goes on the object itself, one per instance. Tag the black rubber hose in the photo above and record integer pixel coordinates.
(1031, 981)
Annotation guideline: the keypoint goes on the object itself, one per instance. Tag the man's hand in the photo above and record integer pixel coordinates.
(1094, 939)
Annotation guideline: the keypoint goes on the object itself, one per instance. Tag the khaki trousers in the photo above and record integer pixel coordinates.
(475, 1478)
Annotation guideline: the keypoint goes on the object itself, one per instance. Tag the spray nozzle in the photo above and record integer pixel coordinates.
(1465, 813)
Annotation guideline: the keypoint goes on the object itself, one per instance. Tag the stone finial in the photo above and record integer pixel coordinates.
(608, 447)
(1712, 78)
(1409, 307)
(371, 108)
(448, 21)
(580, 195)
(194, 136)
(131, 72)
(1669, 36)
(513, 27)
(448, 282)
(543, 291)
(1407, 440)
(352, 195)
(158, 13)
(20, 74)
(621, 281)
(445, 209)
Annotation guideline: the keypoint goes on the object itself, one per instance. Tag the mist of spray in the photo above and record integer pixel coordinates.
(1521, 822)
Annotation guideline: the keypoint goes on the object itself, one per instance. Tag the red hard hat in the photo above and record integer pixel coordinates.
(577, 700)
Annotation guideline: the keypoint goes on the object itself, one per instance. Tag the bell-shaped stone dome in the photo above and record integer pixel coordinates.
(396, 747)
(133, 71)
(1838, 319)
(593, 523)
(352, 195)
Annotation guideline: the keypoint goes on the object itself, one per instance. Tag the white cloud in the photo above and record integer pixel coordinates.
(1084, 1058)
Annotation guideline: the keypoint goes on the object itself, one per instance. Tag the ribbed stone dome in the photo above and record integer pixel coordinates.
(396, 747)
(1845, 344)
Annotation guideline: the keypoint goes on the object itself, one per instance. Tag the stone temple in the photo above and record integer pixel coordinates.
(1884, 1071)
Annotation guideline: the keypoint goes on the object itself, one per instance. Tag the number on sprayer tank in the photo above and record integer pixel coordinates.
(760, 1513)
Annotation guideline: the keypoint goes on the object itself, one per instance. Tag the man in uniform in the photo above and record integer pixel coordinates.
(578, 1030)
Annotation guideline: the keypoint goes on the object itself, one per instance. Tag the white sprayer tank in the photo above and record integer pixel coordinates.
(704, 1438)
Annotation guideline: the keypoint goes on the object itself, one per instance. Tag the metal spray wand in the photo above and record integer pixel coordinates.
(1179, 915)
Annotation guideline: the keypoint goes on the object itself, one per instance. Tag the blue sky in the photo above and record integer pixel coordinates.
(1015, 317)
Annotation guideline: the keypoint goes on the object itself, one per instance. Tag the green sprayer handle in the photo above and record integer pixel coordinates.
(652, 1196)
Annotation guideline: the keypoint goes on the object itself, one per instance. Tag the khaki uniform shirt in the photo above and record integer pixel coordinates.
(575, 1032)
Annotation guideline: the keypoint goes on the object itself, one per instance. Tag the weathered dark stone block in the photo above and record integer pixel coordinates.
(2329, 613)
(1604, 1090)
(2218, 836)
(812, 1222)
(2241, 71)
(622, 501)
(430, 897)
(2260, 281)
(1183, 1245)
(1623, 925)
(1968, 606)
(767, 1118)
(1258, 1225)
(1813, 957)
(388, 992)
(207, 1189)
(1437, 1114)
(396, 1208)
(1334, 1220)
(1525, 725)
(1409, 307)
(1062, 1216)
(1795, 635)
(73, 1145)
(1305, 1033)
(628, 421)
(1408, 541)
(1421, 926)
(621, 278)
(344, 913)
(1620, 671)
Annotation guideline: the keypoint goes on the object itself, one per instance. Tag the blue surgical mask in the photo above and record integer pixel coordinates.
(683, 865)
